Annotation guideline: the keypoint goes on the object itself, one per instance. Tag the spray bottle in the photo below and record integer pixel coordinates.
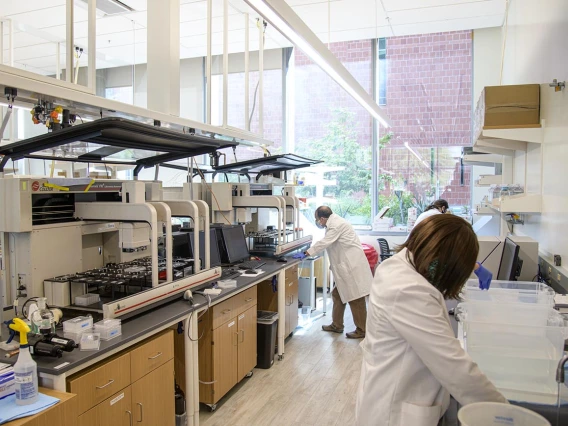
(25, 369)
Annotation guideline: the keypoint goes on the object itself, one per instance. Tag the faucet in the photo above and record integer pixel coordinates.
(560, 376)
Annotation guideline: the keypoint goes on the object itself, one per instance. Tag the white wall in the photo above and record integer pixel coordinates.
(536, 52)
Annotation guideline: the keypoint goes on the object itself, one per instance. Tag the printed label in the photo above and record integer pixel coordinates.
(60, 341)
(35, 186)
(241, 316)
(24, 377)
(25, 386)
(61, 366)
(231, 324)
(118, 398)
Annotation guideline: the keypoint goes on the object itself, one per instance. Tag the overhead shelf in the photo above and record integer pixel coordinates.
(508, 139)
(526, 203)
(487, 180)
(267, 165)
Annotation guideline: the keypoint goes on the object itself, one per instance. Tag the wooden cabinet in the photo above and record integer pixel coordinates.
(142, 384)
(246, 357)
(153, 397)
(227, 350)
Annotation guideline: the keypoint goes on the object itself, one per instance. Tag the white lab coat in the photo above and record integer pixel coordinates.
(347, 259)
(426, 214)
(411, 359)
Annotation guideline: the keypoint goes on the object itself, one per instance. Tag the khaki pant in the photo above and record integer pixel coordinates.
(358, 309)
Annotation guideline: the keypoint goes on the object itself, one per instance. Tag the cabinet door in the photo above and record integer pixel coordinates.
(116, 410)
(225, 361)
(247, 341)
(153, 397)
(288, 303)
(292, 287)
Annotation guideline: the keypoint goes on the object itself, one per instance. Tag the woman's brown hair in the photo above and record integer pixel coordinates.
(443, 249)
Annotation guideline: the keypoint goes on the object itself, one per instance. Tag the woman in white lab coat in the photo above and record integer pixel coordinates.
(412, 361)
(437, 207)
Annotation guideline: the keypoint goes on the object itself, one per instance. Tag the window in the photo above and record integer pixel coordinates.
(120, 94)
(424, 82)
(382, 71)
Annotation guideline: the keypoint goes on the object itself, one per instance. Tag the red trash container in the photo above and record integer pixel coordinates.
(372, 256)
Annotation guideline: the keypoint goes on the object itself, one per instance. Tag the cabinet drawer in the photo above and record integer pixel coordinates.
(151, 355)
(223, 312)
(116, 411)
(291, 273)
(99, 383)
(245, 300)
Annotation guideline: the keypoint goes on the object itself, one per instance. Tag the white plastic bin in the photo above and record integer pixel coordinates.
(494, 413)
(515, 357)
(510, 292)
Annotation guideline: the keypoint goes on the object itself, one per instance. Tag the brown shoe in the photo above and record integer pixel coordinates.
(332, 328)
(356, 335)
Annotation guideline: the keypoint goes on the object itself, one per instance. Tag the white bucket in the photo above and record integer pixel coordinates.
(495, 413)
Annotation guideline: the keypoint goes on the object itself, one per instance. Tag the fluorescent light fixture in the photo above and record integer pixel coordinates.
(285, 20)
(417, 156)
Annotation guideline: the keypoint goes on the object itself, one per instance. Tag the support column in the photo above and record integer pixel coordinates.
(164, 56)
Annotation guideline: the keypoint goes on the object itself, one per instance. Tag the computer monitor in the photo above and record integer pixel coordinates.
(214, 255)
(510, 262)
(180, 244)
(232, 244)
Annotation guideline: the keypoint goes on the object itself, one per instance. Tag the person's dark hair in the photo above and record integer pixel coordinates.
(323, 211)
(438, 204)
(443, 249)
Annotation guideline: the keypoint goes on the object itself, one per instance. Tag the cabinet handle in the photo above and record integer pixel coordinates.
(155, 356)
(141, 412)
(130, 417)
(237, 338)
(226, 311)
(110, 382)
(243, 331)
(248, 300)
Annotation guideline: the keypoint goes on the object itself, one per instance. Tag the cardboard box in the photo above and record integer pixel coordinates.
(508, 107)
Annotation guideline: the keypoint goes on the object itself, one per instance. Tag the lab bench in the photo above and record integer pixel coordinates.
(146, 329)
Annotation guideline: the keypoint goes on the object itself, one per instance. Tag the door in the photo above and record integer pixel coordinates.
(225, 358)
(153, 397)
(115, 410)
(247, 341)
(288, 302)
(292, 288)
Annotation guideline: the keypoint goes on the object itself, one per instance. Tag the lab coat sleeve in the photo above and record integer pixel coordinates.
(421, 321)
(331, 236)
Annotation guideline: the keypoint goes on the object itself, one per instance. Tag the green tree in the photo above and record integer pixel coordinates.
(339, 148)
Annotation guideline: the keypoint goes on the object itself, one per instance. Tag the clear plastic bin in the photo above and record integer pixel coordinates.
(517, 358)
(78, 324)
(108, 329)
(90, 342)
(76, 336)
(87, 299)
(510, 292)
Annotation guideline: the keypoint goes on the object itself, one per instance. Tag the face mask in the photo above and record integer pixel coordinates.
(318, 224)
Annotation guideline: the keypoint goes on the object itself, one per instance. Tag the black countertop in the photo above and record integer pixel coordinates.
(155, 319)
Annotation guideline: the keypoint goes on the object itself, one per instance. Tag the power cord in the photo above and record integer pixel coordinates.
(208, 299)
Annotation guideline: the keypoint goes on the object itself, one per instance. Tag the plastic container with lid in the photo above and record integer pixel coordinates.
(78, 324)
(108, 329)
(90, 341)
(87, 299)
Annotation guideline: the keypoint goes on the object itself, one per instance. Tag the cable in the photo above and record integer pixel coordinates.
(211, 192)
(208, 298)
(506, 25)
(77, 115)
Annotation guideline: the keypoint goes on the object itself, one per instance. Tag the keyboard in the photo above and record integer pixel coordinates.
(251, 264)
(229, 274)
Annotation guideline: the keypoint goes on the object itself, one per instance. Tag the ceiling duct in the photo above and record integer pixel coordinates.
(111, 7)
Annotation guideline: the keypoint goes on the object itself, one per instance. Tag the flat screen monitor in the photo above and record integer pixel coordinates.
(232, 243)
(180, 245)
(214, 255)
(509, 261)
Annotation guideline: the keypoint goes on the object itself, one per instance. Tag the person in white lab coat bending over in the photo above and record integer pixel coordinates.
(412, 361)
(437, 207)
(350, 268)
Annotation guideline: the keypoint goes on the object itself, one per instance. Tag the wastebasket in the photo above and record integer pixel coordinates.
(267, 323)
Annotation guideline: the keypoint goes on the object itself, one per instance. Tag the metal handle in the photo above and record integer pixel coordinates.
(237, 340)
(248, 300)
(560, 376)
(226, 311)
(243, 336)
(155, 356)
(141, 412)
(110, 382)
(129, 416)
